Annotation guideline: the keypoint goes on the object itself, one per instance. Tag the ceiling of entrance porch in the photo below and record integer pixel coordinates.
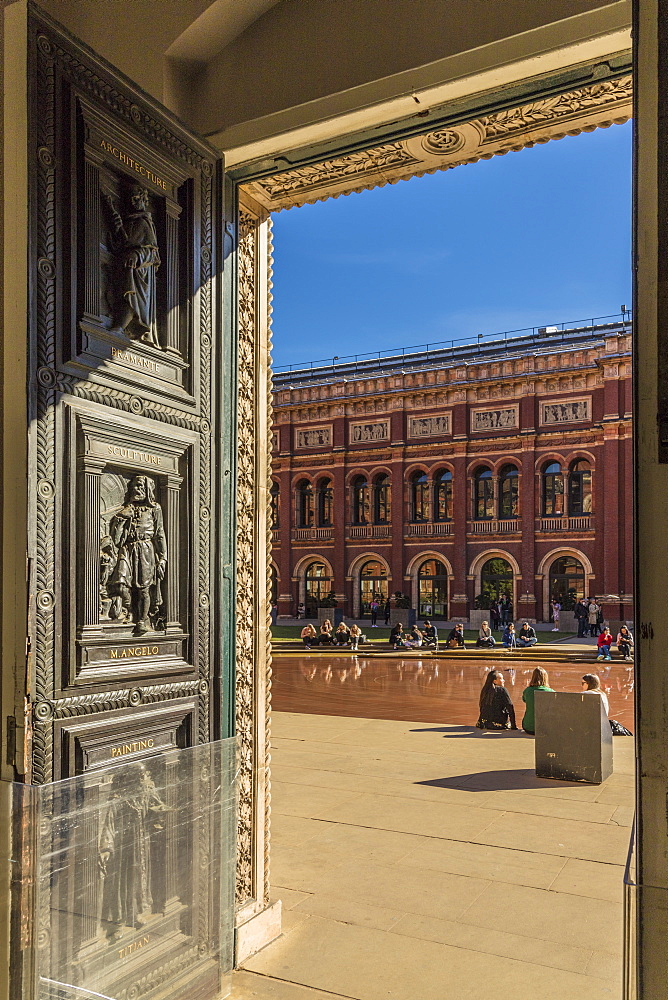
(597, 105)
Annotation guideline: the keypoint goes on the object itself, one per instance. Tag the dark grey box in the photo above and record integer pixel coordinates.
(573, 737)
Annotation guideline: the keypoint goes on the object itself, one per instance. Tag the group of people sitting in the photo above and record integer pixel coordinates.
(498, 712)
(414, 637)
(624, 643)
(343, 635)
(510, 639)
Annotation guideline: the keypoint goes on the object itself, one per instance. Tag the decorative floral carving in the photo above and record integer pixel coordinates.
(602, 103)
(245, 575)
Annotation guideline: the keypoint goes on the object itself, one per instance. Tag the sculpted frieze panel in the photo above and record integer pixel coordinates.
(565, 411)
(314, 437)
(426, 427)
(495, 419)
(369, 432)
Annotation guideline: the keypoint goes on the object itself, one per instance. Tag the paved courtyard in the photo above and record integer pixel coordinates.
(424, 861)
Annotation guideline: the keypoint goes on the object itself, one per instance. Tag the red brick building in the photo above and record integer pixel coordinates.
(484, 469)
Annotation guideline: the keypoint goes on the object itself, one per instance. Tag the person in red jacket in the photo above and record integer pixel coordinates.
(604, 644)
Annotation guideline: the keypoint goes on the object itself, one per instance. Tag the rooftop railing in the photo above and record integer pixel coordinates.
(540, 335)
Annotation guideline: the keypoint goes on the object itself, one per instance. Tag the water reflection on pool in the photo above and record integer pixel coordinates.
(425, 690)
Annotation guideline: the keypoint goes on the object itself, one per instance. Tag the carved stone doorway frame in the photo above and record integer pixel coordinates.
(603, 101)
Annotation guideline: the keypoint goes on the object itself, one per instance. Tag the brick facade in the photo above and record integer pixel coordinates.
(529, 402)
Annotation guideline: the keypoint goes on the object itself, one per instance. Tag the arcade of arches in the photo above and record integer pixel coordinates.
(453, 496)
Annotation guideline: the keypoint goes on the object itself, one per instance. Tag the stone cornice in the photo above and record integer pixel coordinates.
(597, 105)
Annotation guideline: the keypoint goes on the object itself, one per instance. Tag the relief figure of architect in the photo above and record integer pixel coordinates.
(138, 537)
(138, 260)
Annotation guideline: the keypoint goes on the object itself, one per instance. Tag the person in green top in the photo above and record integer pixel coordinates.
(539, 682)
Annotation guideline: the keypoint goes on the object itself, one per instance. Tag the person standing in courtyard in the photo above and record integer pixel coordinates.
(387, 611)
(581, 615)
(539, 682)
(592, 615)
(496, 707)
(556, 612)
(506, 609)
(373, 607)
(494, 615)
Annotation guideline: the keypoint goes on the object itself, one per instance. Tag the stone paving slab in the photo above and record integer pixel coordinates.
(423, 862)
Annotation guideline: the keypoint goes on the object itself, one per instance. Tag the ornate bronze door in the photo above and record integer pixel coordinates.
(129, 515)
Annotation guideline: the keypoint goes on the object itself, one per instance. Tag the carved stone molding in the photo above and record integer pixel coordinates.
(253, 640)
(597, 105)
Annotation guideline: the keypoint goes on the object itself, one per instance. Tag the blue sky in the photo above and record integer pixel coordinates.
(528, 239)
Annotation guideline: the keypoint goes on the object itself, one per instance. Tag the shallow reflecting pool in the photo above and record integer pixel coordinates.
(425, 690)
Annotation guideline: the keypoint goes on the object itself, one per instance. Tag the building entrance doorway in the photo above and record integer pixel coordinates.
(496, 580)
(318, 585)
(567, 582)
(432, 590)
(373, 584)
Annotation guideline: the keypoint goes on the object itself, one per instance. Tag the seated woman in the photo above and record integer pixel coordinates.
(496, 707)
(397, 637)
(342, 635)
(509, 637)
(309, 636)
(327, 625)
(527, 636)
(591, 684)
(325, 634)
(455, 638)
(624, 642)
(414, 638)
(355, 636)
(485, 637)
(604, 644)
(539, 682)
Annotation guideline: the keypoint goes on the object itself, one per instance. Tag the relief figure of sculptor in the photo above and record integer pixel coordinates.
(138, 259)
(138, 537)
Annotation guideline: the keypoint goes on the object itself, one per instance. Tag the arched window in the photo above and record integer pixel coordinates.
(318, 586)
(553, 490)
(432, 589)
(579, 488)
(360, 501)
(419, 497)
(304, 504)
(443, 496)
(483, 495)
(496, 580)
(373, 583)
(325, 504)
(275, 503)
(382, 500)
(567, 581)
(509, 493)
